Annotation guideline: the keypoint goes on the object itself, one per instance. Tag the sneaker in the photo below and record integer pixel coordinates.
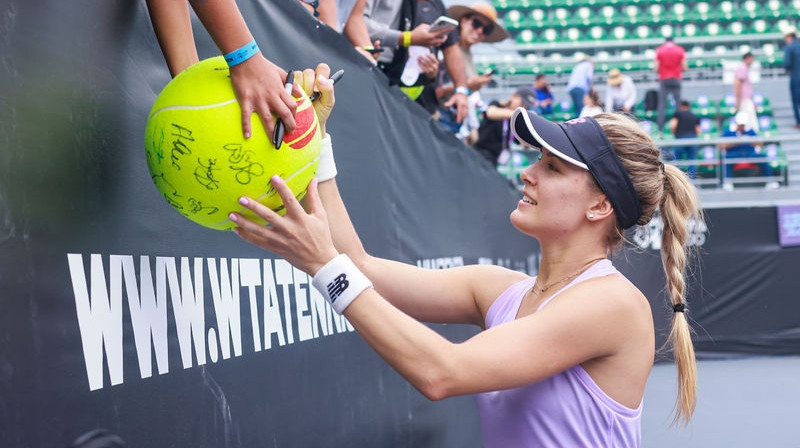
(727, 186)
(772, 185)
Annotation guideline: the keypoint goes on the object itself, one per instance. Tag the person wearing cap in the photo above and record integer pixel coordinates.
(791, 62)
(620, 93)
(477, 23)
(741, 127)
(564, 356)
(670, 63)
(494, 133)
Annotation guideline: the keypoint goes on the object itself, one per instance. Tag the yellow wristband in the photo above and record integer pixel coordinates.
(406, 38)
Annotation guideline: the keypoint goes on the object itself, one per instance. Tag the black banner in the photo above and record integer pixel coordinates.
(119, 313)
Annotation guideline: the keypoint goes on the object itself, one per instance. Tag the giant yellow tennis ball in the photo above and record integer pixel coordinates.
(199, 159)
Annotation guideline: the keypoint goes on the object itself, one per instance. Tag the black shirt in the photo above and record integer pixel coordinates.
(687, 122)
(491, 136)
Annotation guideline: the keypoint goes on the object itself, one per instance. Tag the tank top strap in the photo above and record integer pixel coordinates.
(600, 269)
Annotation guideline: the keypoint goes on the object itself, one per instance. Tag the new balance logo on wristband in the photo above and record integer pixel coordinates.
(337, 286)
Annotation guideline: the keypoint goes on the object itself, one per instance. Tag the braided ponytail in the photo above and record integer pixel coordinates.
(667, 188)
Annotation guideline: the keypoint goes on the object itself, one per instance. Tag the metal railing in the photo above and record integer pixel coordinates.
(710, 168)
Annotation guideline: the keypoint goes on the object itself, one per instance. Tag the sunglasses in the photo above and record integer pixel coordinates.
(486, 27)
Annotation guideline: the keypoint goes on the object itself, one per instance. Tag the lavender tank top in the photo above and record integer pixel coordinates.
(566, 410)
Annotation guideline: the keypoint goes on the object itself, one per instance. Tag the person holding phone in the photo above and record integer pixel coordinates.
(477, 24)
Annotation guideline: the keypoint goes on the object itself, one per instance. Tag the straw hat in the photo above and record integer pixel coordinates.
(484, 10)
(614, 77)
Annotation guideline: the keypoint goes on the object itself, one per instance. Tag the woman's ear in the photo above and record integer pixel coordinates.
(600, 208)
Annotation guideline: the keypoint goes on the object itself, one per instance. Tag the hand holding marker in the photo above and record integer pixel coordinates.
(277, 138)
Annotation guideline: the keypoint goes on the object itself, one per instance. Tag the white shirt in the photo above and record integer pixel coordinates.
(623, 95)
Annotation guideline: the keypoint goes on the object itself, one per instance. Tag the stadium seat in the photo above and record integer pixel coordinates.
(619, 33)
(703, 108)
(572, 34)
(759, 26)
(596, 33)
(655, 13)
(736, 28)
(538, 17)
(689, 30)
(643, 32)
(767, 126)
(712, 29)
(727, 106)
(549, 35)
(678, 13)
(725, 10)
(702, 11)
(762, 104)
(526, 37)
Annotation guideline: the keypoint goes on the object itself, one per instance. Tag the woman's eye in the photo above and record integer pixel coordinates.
(551, 167)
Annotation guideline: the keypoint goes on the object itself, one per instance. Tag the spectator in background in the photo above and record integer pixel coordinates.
(544, 96)
(257, 83)
(621, 92)
(743, 90)
(684, 124)
(395, 24)
(791, 62)
(580, 82)
(477, 23)
(591, 104)
(741, 128)
(670, 63)
(494, 134)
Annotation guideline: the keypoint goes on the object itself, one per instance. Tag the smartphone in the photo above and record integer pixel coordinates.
(443, 22)
(492, 71)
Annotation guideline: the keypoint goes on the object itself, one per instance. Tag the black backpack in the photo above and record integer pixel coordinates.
(651, 100)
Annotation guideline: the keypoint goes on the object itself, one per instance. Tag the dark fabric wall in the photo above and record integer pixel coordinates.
(81, 225)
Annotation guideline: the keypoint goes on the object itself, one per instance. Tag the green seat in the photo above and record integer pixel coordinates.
(549, 35)
(619, 33)
(736, 28)
(759, 26)
(526, 36)
(643, 32)
(725, 10)
(689, 30)
(727, 106)
(703, 107)
(767, 126)
(514, 20)
(678, 13)
(572, 34)
(712, 29)
(701, 12)
(763, 107)
(596, 33)
(538, 18)
(655, 13)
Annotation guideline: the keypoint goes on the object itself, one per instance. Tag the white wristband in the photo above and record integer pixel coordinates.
(327, 166)
(340, 282)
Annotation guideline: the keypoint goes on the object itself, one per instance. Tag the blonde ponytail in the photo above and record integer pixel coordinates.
(667, 188)
(678, 206)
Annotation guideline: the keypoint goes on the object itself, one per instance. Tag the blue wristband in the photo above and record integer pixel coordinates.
(247, 51)
(462, 89)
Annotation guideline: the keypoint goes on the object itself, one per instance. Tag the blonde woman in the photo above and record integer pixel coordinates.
(564, 356)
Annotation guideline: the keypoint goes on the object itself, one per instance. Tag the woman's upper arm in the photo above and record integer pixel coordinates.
(589, 321)
(454, 295)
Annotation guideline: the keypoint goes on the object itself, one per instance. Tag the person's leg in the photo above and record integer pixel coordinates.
(661, 107)
(691, 155)
(794, 88)
(576, 94)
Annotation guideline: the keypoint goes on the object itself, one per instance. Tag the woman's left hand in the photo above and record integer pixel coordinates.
(317, 80)
(301, 238)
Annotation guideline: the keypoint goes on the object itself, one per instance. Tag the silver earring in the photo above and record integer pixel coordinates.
(591, 215)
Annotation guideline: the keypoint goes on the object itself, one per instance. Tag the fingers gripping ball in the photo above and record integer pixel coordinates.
(199, 159)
